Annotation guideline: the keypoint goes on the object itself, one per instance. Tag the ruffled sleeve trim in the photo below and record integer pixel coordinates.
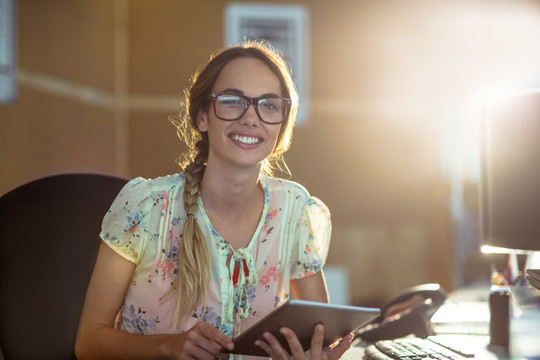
(314, 230)
(125, 226)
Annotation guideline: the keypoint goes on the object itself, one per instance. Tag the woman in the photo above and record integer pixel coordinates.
(190, 260)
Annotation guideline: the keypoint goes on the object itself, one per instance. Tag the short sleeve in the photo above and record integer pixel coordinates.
(313, 236)
(125, 226)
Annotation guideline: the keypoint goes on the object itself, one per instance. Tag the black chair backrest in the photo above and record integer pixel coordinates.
(49, 238)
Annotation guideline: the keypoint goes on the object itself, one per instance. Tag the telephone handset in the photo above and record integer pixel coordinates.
(408, 313)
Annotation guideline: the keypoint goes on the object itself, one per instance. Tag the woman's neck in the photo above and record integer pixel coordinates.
(228, 190)
(233, 204)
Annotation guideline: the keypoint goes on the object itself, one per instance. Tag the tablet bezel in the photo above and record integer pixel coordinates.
(301, 316)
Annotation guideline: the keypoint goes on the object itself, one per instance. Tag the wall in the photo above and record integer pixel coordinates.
(99, 78)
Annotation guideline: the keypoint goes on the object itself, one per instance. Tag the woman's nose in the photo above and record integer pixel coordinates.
(250, 117)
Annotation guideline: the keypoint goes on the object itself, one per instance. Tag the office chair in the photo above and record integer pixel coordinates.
(49, 238)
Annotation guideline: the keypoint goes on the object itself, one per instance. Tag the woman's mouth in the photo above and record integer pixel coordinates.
(246, 139)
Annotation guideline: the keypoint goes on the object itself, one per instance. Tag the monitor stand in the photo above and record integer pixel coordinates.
(533, 260)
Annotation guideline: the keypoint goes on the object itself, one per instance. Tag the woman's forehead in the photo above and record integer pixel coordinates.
(249, 75)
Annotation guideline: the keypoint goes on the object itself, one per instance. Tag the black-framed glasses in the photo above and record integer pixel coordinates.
(270, 109)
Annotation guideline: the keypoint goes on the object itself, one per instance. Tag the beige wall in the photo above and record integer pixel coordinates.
(98, 79)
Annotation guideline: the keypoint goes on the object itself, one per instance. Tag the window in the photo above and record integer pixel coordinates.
(7, 51)
(286, 27)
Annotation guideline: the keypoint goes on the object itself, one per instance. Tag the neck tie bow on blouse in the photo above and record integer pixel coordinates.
(242, 273)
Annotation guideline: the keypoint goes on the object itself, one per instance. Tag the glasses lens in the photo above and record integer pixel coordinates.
(229, 107)
(272, 110)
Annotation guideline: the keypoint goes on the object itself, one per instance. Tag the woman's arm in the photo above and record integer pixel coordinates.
(312, 288)
(98, 339)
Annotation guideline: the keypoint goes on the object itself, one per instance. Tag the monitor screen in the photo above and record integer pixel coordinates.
(510, 172)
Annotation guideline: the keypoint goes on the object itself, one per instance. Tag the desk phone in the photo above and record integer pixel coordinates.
(414, 308)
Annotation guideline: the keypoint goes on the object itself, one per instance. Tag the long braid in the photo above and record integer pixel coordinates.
(194, 257)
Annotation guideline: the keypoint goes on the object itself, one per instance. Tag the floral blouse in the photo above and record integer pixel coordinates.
(144, 225)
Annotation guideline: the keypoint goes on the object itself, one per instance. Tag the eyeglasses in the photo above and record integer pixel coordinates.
(270, 109)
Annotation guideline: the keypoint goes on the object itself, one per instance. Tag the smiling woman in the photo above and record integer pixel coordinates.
(191, 253)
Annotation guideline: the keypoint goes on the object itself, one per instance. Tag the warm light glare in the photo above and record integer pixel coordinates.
(487, 249)
(499, 56)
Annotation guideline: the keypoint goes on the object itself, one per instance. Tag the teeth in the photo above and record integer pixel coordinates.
(246, 140)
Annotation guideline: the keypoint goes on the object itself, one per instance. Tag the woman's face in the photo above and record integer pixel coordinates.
(245, 142)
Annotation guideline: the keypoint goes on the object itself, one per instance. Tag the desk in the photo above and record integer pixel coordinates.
(478, 344)
(463, 321)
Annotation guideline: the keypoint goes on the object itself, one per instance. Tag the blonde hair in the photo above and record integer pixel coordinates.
(194, 257)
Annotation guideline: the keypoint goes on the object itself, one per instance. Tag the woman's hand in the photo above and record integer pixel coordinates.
(202, 341)
(316, 351)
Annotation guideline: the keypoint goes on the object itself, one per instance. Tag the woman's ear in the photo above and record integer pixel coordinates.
(202, 121)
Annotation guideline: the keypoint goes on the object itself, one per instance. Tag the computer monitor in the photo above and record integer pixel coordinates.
(510, 173)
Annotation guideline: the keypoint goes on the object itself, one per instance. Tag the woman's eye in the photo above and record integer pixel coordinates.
(229, 100)
(269, 105)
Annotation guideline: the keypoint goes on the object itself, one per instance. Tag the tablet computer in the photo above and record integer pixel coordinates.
(301, 317)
